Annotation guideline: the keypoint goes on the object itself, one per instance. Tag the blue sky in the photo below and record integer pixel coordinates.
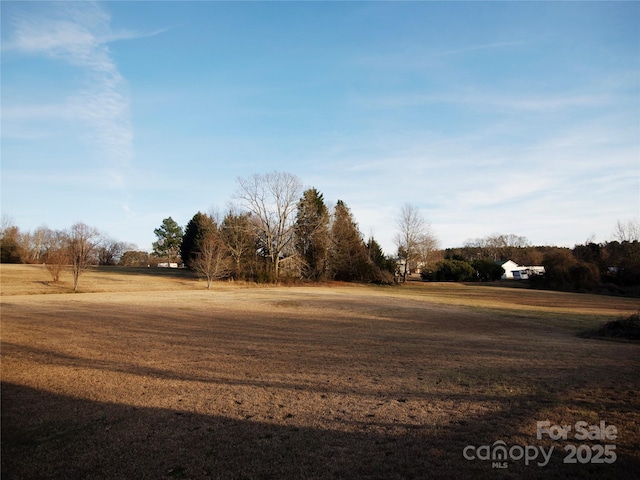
(491, 117)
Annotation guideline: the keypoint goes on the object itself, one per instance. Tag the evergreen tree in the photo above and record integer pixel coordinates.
(312, 234)
(10, 245)
(197, 229)
(169, 239)
(348, 254)
(375, 253)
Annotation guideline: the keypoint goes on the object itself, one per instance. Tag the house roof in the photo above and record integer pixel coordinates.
(510, 263)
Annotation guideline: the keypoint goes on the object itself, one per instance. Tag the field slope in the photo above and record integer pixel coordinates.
(148, 375)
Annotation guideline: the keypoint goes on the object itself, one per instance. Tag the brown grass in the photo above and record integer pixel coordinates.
(156, 377)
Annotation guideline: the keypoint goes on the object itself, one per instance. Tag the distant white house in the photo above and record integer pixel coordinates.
(518, 272)
(527, 272)
(509, 266)
(168, 265)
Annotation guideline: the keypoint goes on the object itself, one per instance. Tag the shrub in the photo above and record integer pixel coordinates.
(451, 271)
(565, 272)
(487, 271)
(627, 328)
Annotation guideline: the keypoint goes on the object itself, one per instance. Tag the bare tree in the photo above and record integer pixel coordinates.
(6, 222)
(56, 254)
(413, 235)
(211, 261)
(273, 199)
(499, 246)
(236, 233)
(427, 244)
(110, 251)
(627, 231)
(507, 246)
(135, 258)
(37, 242)
(82, 242)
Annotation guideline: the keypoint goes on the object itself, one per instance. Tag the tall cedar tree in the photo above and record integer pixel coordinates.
(374, 250)
(312, 234)
(169, 239)
(198, 228)
(348, 254)
(10, 246)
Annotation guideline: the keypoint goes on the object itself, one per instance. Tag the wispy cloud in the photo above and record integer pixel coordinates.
(505, 102)
(425, 60)
(474, 183)
(77, 34)
(483, 46)
(16, 113)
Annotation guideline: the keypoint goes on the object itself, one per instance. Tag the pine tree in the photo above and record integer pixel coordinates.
(375, 253)
(169, 239)
(197, 229)
(348, 254)
(312, 234)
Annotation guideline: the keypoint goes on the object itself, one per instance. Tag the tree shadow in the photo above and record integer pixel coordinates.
(52, 436)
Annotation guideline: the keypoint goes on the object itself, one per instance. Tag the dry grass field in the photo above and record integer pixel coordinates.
(145, 374)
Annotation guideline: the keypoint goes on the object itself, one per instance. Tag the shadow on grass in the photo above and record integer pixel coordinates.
(51, 436)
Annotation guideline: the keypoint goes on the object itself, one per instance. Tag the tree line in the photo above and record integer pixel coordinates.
(611, 267)
(274, 231)
(75, 249)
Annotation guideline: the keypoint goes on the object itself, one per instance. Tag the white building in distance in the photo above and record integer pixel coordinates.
(513, 271)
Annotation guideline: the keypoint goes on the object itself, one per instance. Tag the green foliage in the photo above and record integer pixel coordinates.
(196, 231)
(450, 270)
(348, 257)
(384, 267)
(169, 239)
(487, 271)
(610, 267)
(312, 234)
(376, 255)
(624, 257)
(10, 248)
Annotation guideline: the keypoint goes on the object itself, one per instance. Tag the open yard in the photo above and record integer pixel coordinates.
(148, 375)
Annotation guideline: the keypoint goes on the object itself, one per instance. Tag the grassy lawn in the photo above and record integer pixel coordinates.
(146, 374)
